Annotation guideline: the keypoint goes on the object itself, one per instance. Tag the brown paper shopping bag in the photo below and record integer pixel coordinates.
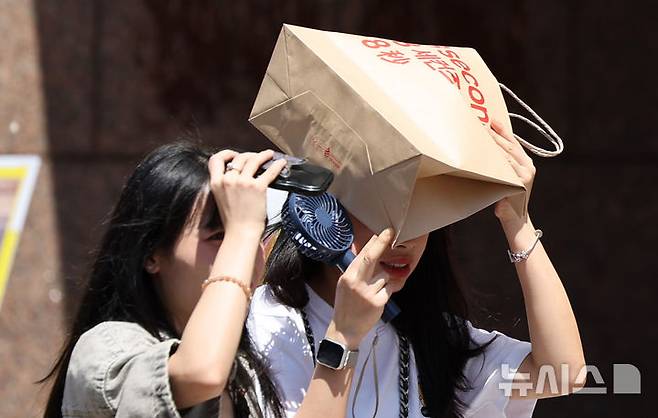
(402, 126)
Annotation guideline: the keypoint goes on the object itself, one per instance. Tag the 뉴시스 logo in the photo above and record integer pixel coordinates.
(626, 379)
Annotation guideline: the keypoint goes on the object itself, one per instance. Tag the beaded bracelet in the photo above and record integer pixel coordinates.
(246, 289)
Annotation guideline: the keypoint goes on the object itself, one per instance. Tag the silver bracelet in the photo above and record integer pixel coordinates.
(523, 255)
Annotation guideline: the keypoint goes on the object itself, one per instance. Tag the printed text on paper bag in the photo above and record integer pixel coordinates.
(437, 58)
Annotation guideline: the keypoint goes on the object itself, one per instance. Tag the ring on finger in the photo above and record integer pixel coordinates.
(230, 167)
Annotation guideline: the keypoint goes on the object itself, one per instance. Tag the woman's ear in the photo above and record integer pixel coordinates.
(152, 264)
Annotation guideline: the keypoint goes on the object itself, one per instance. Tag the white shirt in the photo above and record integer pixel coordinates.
(278, 334)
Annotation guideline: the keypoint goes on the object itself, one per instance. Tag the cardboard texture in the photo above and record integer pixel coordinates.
(402, 126)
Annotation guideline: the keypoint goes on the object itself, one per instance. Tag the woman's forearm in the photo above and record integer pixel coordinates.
(327, 394)
(552, 325)
(329, 389)
(200, 368)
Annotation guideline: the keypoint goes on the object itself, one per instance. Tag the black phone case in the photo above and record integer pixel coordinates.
(305, 178)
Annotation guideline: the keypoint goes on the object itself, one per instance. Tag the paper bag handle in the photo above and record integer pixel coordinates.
(544, 129)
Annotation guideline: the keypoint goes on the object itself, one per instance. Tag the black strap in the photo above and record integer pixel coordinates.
(404, 375)
(309, 333)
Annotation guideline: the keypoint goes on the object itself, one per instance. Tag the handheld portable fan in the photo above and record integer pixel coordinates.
(321, 230)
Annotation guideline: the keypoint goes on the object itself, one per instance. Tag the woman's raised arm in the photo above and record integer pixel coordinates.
(200, 368)
(553, 329)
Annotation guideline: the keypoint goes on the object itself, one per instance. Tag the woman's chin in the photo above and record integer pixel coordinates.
(396, 284)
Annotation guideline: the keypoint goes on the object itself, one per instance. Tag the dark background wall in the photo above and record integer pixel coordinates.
(96, 84)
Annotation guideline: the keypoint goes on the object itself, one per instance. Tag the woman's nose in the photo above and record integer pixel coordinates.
(407, 245)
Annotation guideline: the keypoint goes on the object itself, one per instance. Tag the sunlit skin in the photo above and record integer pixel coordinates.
(407, 253)
(181, 272)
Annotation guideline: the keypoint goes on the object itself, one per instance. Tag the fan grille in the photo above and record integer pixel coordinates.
(318, 224)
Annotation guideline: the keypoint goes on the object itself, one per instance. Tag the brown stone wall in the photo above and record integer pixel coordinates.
(31, 320)
(93, 85)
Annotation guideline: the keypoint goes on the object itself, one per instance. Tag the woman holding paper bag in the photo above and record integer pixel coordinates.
(332, 357)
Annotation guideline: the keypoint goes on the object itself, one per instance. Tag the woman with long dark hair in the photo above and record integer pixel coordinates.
(159, 332)
(332, 356)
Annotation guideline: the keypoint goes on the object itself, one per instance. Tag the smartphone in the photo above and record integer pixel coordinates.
(299, 176)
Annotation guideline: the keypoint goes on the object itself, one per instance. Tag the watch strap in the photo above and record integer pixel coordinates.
(352, 357)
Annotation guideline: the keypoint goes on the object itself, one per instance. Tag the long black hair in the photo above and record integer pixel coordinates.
(154, 207)
(433, 317)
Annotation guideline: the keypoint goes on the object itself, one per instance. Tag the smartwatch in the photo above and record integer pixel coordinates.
(335, 355)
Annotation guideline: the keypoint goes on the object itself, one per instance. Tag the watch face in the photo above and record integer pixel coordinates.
(330, 354)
